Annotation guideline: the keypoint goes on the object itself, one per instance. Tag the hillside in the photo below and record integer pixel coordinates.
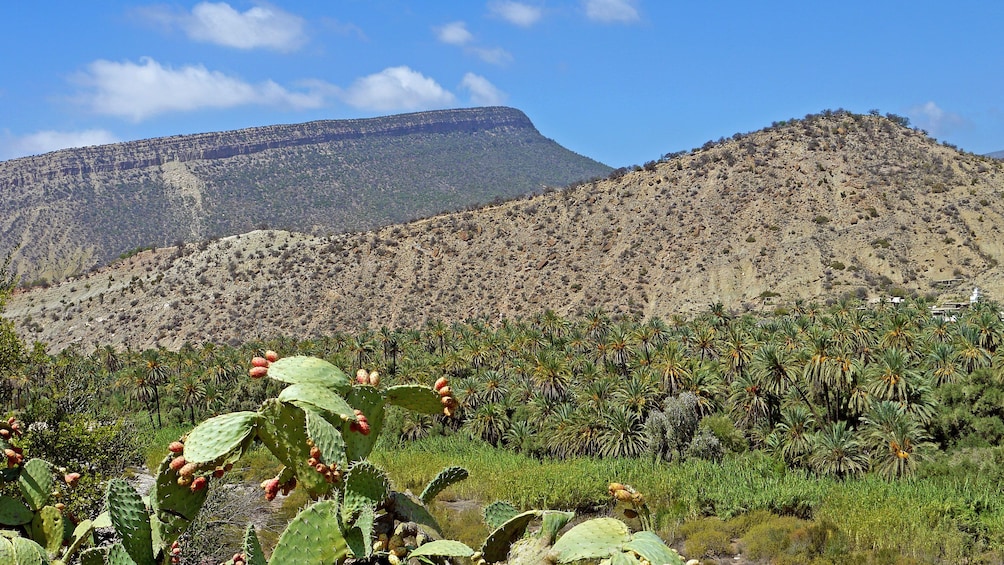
(996, 154)
(74, 209)
(809, 209)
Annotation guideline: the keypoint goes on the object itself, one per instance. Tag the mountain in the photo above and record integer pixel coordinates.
(996, 154)
(75, 209)
(812, 209)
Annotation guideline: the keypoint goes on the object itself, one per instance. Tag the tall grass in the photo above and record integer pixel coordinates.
(937, 519)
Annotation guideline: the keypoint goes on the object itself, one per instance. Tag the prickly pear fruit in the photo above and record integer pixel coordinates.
(440, 383)
(188, 469)
(198, 484)
(315, 452)
(271, 487)
(71, 479)
(375, 378)
(623, 495)
(176, 447)
(362, 377)
(271, 356)
(177, 463)
(218, 473)
(258, 372)
(259, 362)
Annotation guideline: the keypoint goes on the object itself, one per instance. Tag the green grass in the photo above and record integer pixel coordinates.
(938, 519)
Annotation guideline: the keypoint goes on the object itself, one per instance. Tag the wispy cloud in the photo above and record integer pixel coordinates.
(263, 26)
(936, 121)
(395, 89)
(518, 13)
(483, 93)
(137, 91)
(495, 56)
(50, 140)
(611, 11)
(454, 33)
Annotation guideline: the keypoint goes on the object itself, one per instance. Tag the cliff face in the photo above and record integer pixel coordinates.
(77, 208)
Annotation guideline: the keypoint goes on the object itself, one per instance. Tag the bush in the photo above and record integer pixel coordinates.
(706, 537)
(722, 427)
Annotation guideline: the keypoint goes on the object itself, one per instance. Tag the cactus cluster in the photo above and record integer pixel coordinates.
(43, 534)
(609, 540)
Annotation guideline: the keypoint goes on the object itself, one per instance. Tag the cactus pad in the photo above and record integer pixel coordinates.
(283, 430)
(47, 529)
(371, 403)
(360, 534)
(592, 539)
(417, 398)
(365, 486)
(312, 538)
(408, 509)
(317, 397)
(36, 483)
(6, 551)
(117, 555)
(79, 535)
(173, 504)
(13, 512)
(552, 523)
(309, 370)
(444, 479)
(651, 547)
(621, 559)
(221, 439)
(498, 513)
(131, 521)
(496, 546)
(327, 438)
(27, 552)
(93, 556)
(442, 548)
(253, 554)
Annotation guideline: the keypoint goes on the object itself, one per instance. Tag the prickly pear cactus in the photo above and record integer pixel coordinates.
(36, 483)
(25, 552)
(13, 512)
(592, 539)
(221, 440)
(131, 521)
(175, 505)
(444, 479)
(442, 548)
(311, 396)
(309, 370)
(370, 402)
(498, 513)
(366, 486)
(312, 538)
(283, 430)
(253, 554)
(47, 529)
(416, 398)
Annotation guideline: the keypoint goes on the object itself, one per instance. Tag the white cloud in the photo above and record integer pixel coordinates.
(139, 91)
(397, 88)
(516, 13)
(454, 33)
(483, 93)
(496, 56)
(611, 11)
(263, 26)
(51, 140)
(935, 120)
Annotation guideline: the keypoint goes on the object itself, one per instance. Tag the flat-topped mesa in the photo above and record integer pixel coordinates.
(221, 145)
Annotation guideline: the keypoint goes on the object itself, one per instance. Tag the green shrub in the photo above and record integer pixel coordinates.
(706, 537)
(732, 440)
(770, 538)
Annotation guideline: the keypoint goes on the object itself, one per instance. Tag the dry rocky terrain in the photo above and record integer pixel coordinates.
(810, 209)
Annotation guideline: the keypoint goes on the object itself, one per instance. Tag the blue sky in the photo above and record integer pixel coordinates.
(621, 81)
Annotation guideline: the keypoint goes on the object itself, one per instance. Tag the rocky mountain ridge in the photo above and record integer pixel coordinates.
(74, 209)
(810, 209)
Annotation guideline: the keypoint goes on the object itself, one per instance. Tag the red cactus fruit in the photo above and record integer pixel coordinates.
(364, 428)
(259, 362)
(177, 463)
(375, 378)
(446, 400)
(271, 356)
(218, 473)
(176, 447)
(440, 383)
(445, 391)
(188, 470)
(71, 479)
(315, 452)
(198, 484)
(258, 372)
(313, 462)
(4, 433)
(271, 487)
(363, 377)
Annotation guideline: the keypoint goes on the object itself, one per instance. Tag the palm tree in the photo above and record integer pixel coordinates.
(488, 422)
(551, 374)
(623, 433)
(671, 364)
(897, 440)
(970, 353)
(891, 375)
(793, 434)
(836, 452)
(941, 364)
